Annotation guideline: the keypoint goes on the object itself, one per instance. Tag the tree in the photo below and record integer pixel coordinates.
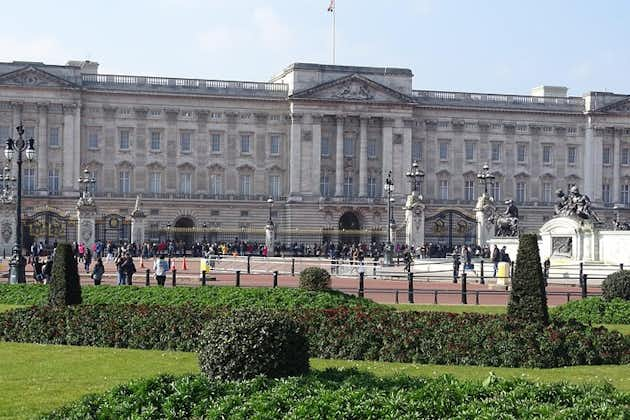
(65, 287)
(528, 299)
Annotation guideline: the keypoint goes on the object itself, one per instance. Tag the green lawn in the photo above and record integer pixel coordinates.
(484, 309)
(4, 307)
(37, 378)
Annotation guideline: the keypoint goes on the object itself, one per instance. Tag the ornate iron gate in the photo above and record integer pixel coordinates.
(114, 228)
(48, 227)
(450, 227)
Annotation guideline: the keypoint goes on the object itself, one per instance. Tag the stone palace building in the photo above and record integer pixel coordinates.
(205, 155)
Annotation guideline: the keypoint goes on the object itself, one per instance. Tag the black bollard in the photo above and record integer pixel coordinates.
(482, 279)
(174, 278)
(435, 293)
(476, 297)
(374, 269)
(584, 291)
(410, 287)
(361, 284)
(620, 266)
(147, 278)
(249, 265)
(511, 270)
(292, 267)
(396, 296)
(238, 278)
(464, 291)
(581, 273)
(203, 278)
(275, 279)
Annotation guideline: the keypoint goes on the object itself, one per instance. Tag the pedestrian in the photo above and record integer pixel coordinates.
(160, 268)
(98, 271)
(496, 258)
(37, 270)
(47, 271)
(87, 259)
(128, 268)
(120, 272)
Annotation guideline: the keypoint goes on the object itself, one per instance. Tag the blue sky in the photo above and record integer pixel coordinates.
(480, 46)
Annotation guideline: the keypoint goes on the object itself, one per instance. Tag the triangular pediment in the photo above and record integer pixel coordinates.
(32, 76)
(352, 88)
(618, 107)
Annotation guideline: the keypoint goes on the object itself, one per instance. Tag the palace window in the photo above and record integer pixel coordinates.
(216, 184)
(123, 139)
(547, 192)
(325, 152)
(443, 149)
(54, 187)
(546, 154)
(275, 145)
(521, 192)
(185, 183)
(416, 151)
(274, 186)
(215, 146)
(348, 147)
(53, 136)
(625, 156)
(521, 153)
(93, 140)
(155, 140)
(572, 155)
(371, 186)
(625, 194)
(124, 182)
(5, 132)
(185, 141)
(371, 149)
(495, 152)
(29, 132)
(155, 182)
(606, 155)
(443, 189)
(469, 190)
(28, 182)
(496, 191)
(606, 193)
(245, 143)
(245, 185)
(469, 151)
(347, 186)
(324, 185)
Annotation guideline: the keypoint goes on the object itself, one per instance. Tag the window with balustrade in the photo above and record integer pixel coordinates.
(546, 154)
(547, 192)
(625, 156)
(348, 147)
(469, 190)
(606, 155)
(348, 186)
(521, 192)
(216, 184)
(28, 181)
(124, 181)
(274, 186)
(324, 185)
(606, 198)
(571, 155)
(53, 137)
(416, 151)
(155, 141)
(215, 143)
(155, 182)
(371, 186)
(495, 151)
(372, 149)
(443, 188)
(521, 153)
(625, 194)
(496, 191)
(185, 183)
(245, 185)
(54, 184)
(469, 150)
(185, 141)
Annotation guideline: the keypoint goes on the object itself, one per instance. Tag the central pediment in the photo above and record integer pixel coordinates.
(352, 88)
(619, 107)
(31, 76)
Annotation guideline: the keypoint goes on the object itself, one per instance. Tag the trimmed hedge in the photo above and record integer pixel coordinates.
(594, 310)
(211, 296)
(245, 344)
(64, 287)
(617, 286)
(314, 278)
(419, 337)
(348, 395)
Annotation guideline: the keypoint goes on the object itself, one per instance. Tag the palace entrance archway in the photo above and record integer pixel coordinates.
(184, 230)
(349, 228)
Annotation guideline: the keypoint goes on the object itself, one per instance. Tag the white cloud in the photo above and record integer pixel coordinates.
(270, 28)
(46, 49)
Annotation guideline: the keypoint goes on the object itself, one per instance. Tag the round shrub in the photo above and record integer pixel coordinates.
(617, 285)
(245, 344)
(314, 278)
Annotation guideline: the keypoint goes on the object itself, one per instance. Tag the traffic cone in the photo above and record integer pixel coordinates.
(141, 262)
(173, 266)
(184, 266)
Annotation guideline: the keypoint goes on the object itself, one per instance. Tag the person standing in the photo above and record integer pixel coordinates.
(128, 268)
(160, 268)
(118, 261)
(87, 259)
(48, 269)
(496, 258)
(98, 271)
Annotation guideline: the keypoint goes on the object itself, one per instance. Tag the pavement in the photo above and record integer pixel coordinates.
(389, 286)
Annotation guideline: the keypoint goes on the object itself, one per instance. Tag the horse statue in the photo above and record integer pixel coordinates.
(507, 223)
(621, 225)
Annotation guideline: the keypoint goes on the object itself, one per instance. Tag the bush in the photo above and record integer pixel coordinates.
(314, 278)
(528, 299)
(348, 395)
(409, 337)
(617, 285)
(64, 288)
(232, 297)
(594, 310)
(245, 344)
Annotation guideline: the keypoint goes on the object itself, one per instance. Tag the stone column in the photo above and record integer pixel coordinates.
(295, 164)
(593, 165)
(317, 154)
(42, 150)
(484, 208)
(407, 140)
(86, 220)
(616, 186)
(8, 228)
(137, 224)
(387, 145)
(270, 238)
(363, 157)
(339, 158)
(414, 220)
(68, 178)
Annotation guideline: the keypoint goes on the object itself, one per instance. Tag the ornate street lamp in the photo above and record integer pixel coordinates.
(205, 230)
(87, 179)
(17, 263)
(485, 178)
(168, 232)
(389, 189)
(270, 203)
(415, 176)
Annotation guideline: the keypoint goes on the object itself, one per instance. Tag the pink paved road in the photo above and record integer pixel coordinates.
(382, 290)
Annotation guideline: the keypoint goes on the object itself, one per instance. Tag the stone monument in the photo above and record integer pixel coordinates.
(414, 209)
(485, 211)
(270, 232)
(86, 219)
(137, 223)
(8, 222)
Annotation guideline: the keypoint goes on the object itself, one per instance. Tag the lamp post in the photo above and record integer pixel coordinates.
(205, 230)
(270, 234)
(87, 179)
(415, 176)
(17, 263)
(389, 189)
(168, 232)
(485, 177)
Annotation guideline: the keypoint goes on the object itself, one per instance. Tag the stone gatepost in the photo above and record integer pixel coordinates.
(137, 224)
(8, 228)
(484, 213)
(86, 220)
(414, 220)
(270, 238)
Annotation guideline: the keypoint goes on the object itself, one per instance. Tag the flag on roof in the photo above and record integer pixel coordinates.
(331, 6)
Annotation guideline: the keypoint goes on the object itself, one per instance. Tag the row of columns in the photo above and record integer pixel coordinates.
(300, 177)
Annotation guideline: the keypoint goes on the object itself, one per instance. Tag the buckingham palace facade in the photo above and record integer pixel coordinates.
(319, 139)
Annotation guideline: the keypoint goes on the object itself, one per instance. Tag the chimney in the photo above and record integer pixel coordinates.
(544, 90)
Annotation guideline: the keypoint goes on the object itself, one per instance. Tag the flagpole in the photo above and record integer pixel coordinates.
(334, 12)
